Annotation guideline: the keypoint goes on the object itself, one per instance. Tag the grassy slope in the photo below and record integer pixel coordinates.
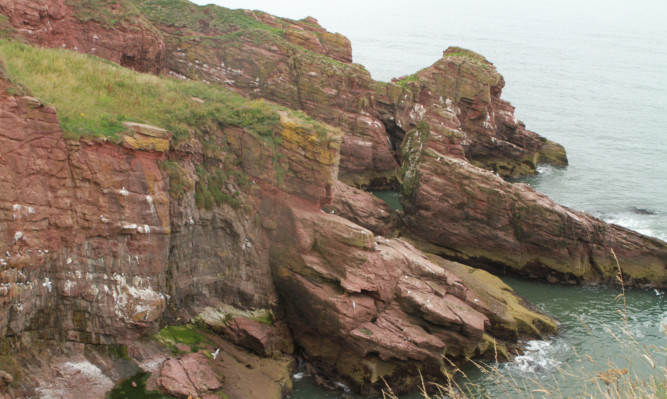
(189, 17)
(94, 96)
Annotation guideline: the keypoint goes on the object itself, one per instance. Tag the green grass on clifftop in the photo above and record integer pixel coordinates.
(108, 13)
(93, 96)
(213, 19)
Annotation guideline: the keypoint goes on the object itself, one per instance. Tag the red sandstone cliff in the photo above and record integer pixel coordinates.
(100, 248)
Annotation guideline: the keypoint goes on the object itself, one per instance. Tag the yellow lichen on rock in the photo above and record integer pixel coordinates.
(320, 146)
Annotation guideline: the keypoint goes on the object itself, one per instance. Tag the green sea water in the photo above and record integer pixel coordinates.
(391, 198)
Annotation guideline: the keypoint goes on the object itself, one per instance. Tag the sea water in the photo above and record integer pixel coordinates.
(591, 75)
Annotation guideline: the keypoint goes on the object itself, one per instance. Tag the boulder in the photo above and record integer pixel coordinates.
(364, 209)
(5, 378)
(188, 376)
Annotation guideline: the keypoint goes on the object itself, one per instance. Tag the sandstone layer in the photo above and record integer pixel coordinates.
(476, 217)
(300, 65)
(256, 225)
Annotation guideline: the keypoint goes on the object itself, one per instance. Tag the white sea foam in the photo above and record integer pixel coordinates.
(538, 358)
(662, 325)
(644, 224)
(298, 376)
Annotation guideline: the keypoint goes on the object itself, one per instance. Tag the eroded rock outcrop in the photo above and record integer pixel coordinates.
(476, 217)
(300, 65)
(104, 242)
(364, 209)
(459, 97)
(365, 308)
(99, 249)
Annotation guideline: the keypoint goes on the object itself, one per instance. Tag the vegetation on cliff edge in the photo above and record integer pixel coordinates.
(93, 96)
(212, 19)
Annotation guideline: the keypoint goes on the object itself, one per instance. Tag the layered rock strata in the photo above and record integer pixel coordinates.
(476, 217)
(102, 252)
(300, 65)
(104, 242)
(366, 308)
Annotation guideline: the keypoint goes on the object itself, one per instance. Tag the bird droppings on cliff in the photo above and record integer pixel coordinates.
(47, 283)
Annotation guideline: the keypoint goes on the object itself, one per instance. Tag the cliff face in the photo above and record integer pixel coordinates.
(101, 253)
(300, 65)
(85, 230)
(246, 208)
(116, 31)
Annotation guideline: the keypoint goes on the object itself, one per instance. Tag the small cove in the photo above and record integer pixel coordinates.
(593, 338)
(391, 198)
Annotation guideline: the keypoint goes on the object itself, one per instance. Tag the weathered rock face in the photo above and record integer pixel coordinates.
(87, 226)
(302, 66)
(364, 209)
(84, 233)
(459, 96)
(366, 309)
(478, 218)
(105, 242)
(118, 33)
(99, 249)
